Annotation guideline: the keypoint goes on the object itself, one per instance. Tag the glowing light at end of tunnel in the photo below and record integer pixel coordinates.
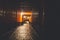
(21, 13)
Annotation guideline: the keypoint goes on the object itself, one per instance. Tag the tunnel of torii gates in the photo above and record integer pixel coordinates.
(22, 16)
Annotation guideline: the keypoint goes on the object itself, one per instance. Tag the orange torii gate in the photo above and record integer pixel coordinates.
(21, 16)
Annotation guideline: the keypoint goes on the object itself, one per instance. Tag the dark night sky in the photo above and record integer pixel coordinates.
(16, 3)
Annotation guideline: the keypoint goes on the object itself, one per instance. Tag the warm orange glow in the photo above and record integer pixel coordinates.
(21, 14)
(18, 16)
